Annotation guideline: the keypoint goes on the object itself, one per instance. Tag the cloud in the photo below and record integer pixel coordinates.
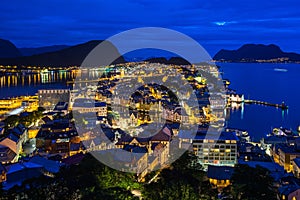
(223, 23)
(211, 22)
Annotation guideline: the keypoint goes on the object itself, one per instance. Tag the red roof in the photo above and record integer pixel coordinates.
(161, 136)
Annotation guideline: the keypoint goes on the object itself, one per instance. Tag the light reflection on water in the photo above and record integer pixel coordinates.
(17, 84)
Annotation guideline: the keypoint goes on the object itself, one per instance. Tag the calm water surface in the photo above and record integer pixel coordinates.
(262, 82)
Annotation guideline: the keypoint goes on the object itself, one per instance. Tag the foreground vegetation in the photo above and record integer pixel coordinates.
(184, 179)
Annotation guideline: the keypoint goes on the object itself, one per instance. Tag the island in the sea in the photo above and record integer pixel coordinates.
(256, 53)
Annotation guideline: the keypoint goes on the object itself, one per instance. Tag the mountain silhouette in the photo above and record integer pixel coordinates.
(71, 56)
(255, 53)
(172, 60)
(8, 49)
(40, 50)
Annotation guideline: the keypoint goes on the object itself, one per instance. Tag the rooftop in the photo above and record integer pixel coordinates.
(288, 189)
(49, 165)
(297, 161)
(215, 136)
(21, 166)
(220, 172)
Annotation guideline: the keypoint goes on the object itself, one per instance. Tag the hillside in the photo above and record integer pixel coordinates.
(256, 53)
(71, 56)
(8, 49)
(40, 50)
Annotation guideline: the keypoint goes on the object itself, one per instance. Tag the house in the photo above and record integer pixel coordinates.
(76, 148)
(7, 155)
(8, 150)
(133, 119)
(20, 131)
(283, 154)
(127, 139)
(268, 142)
(289, 192)
(161, 152)
(49, 165)
(151, 151)
(95, 144)
(248, 151)
(15, 138)
(134, 161)
(296, 167)
(55, 136)
(219, 176)
(19, 172)
(86, 105)
(164, 136)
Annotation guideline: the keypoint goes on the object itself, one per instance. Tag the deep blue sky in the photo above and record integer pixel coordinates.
(214, 24)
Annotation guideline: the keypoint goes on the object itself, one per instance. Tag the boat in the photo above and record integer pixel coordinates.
(280, 70)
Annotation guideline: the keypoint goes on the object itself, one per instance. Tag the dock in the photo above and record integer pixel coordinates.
(282, 106)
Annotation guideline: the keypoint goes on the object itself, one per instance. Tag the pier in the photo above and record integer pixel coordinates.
(282, 106)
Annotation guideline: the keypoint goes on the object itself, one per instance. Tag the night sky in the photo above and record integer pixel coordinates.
(214, 24)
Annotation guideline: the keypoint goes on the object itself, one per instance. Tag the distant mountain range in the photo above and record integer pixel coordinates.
(64, 56)
(40, 50)
(69, 56)
(256, 53)
(172, 60)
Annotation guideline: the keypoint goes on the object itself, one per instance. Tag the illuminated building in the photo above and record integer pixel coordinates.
(283, 154)
(56, 136)
(48, 99)
(84, 105)
(26, 103)
(289, 192)
(219, 176)
(216, 149)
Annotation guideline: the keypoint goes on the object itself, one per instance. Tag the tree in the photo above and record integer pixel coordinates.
(252, 183)
(88, 180)
(11, 121)
(184, 179)
(41, 109)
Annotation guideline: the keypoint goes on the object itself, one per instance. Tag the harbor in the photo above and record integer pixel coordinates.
(239, 99)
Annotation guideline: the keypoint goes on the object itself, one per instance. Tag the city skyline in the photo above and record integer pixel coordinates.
(150, 100)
